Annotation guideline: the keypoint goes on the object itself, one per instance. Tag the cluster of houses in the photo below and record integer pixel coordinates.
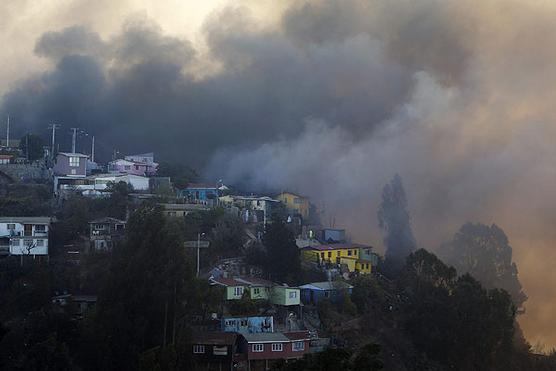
(248, 342)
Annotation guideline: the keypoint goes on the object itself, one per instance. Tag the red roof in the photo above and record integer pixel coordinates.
(214, 338)
(227, 281)
(338, 246)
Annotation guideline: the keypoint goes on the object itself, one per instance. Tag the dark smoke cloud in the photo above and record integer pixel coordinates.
(332, 101)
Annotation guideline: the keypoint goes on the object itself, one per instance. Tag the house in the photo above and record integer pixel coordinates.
(146, 159)
(24, 235)
(250, 324)
(253, 209)
(348, 254)
(181, 210)
(285, 295)
(142, 164)
(295, 204)
(312, 293)
(260, 348)
(216, 350)
(71, 165)
(333, 235)
(6, 159)
(106, 233)
(139, 183)
(199, 192)
(235, 287)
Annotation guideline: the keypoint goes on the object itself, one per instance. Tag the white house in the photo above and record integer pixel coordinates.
(24, 235)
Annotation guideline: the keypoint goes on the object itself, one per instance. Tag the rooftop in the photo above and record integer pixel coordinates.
(298, 335)
(338, 246)
(327, 285)
(107, 220)
(266, 337)
(214, 338)
(201, 186)
(26, 219)
(69, 154)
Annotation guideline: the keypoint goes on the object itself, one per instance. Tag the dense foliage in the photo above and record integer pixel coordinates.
(485, 253)
(394, 220)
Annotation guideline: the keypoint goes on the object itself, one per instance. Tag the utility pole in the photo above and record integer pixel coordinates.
(73, 139)
(93, 150)
(53, 127)
(8, 133)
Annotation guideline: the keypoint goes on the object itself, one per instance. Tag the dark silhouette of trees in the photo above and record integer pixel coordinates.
(484, 252)
(282, 261)
(455, 321)
(394, 220)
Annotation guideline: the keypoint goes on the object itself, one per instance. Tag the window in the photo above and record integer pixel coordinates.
(297, 200)
(220, 350)
(40, 242)
(99, 226)
(329, 254)
(73, 171)
(293, 295)
(14, 242)
(136, 167)
(198, 349)
(276, 347)
(11, 226)
(298, 346)
(349, 252)
(258, 347)
(243, 322)
(40, 228)
(28, 243)
(322, 255)
(355, 252)
(238, 291)
(74, 161)
(127, 167)
(256, 291)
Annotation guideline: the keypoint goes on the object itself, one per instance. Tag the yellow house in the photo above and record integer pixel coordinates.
(341, 253)
(294, 202)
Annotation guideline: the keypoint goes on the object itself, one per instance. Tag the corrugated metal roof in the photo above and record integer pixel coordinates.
(327, 285)
(266, 337)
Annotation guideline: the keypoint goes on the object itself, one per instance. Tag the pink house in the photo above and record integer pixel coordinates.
(142, 164)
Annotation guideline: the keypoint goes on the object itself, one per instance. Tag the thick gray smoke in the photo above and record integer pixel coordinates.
(456, 96)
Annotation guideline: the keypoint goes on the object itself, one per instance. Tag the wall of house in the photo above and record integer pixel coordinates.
(281, 296)
(231, 293)
(62, 166)
(259, 292)
(287, 351)
(248, 324)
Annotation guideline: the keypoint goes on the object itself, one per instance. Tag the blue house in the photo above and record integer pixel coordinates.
(311, 293)
(248, 325)
(199, 192)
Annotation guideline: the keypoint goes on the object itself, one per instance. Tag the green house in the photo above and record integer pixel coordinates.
(285, 295)
(258, 289)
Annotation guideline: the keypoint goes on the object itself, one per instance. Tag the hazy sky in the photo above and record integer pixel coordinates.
(329, 98)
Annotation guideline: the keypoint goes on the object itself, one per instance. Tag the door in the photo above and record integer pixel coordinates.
(28, 229)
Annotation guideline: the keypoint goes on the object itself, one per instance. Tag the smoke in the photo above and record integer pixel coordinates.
(331, 99)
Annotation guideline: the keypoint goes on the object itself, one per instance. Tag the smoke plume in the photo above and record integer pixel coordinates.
(331, 99)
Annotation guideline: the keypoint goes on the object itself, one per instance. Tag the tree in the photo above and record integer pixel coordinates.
(149, 288)
(484, 252)
(394, 220)
(282, 254)
(445, 315)
(32, 146)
